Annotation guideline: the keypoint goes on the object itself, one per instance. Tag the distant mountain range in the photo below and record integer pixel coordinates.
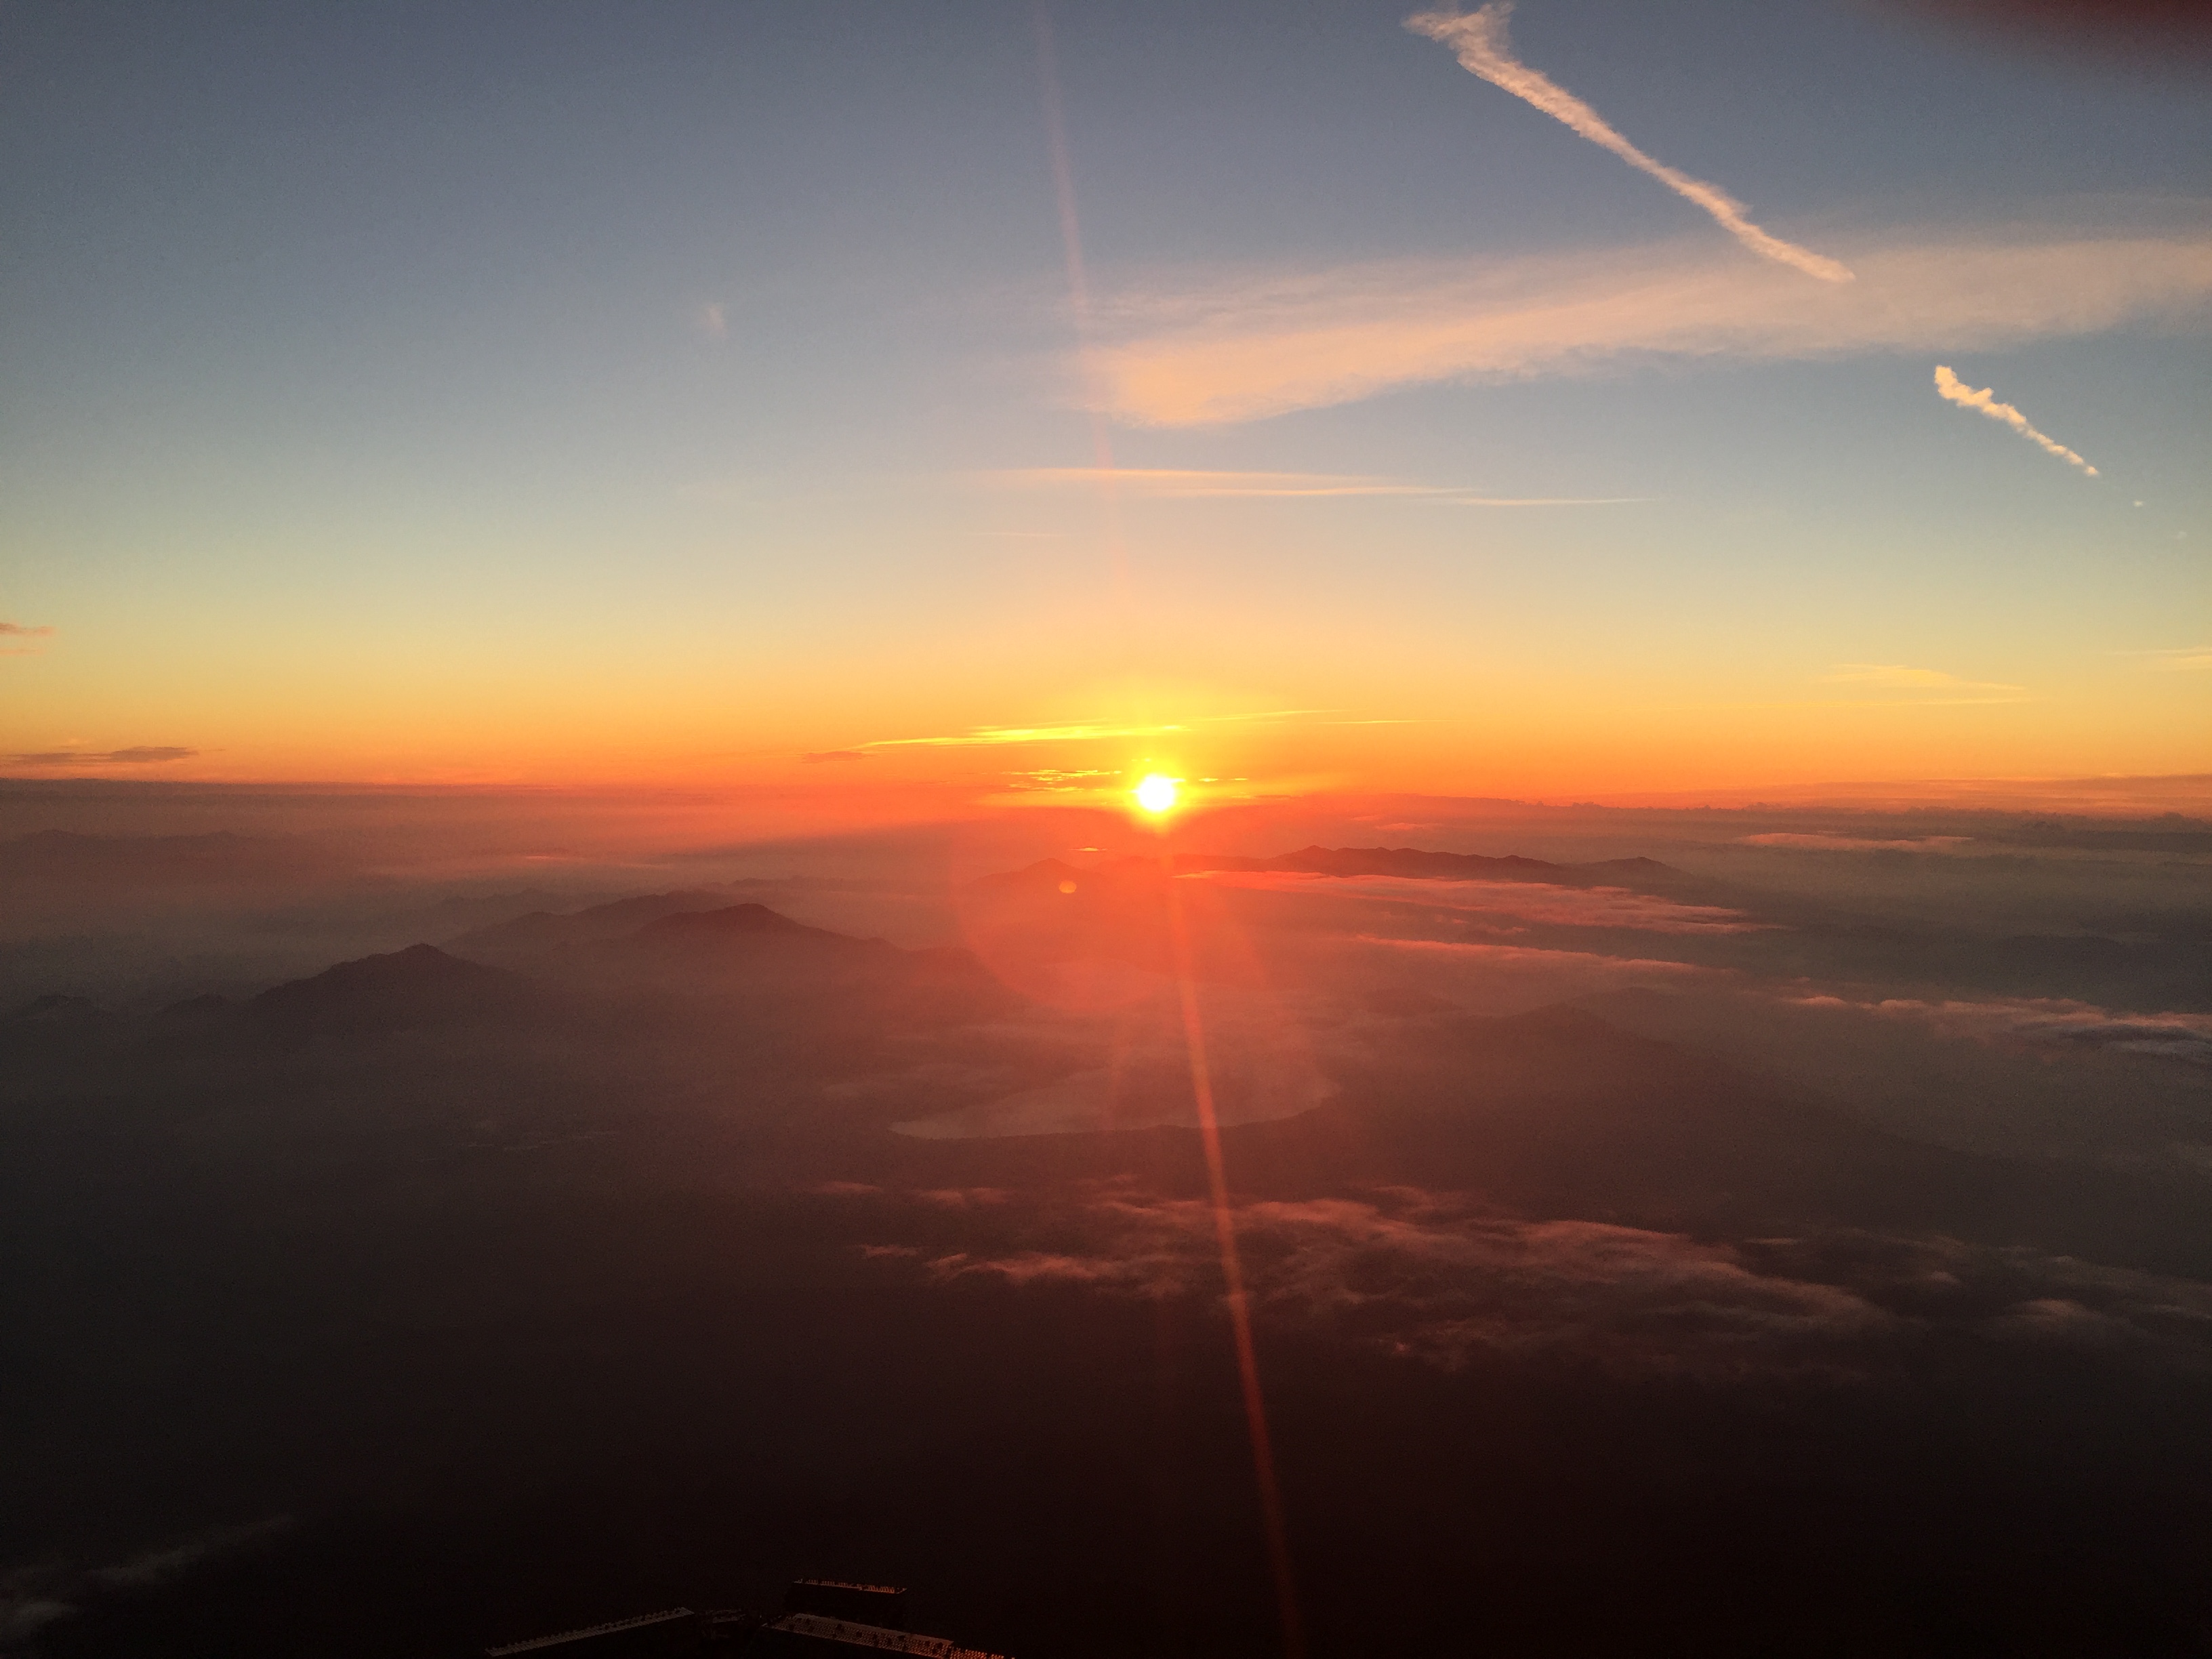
(68, 856)
(421, 985)
(542, 931)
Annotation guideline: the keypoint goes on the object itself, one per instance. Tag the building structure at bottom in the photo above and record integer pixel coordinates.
(823, 1618)
(814, 1636)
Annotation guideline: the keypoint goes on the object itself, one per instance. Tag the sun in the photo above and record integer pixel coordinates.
(1156, 795)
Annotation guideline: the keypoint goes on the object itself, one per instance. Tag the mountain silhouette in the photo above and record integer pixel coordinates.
(540, 932)
(735, 921)
(419, 986)
(768, 957)
(53, 1009)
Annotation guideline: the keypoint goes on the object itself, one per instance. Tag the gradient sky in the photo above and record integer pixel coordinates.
(556, 392)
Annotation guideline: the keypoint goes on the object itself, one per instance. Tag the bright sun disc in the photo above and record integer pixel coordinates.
(1156, 793)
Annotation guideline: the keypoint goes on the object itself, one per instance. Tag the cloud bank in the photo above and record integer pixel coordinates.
(2050, 1022)
(988, 737)
(1423, 1276)
(2180, 660)
(1247, 348)
(141, 754)
(1478, 39)
(1538, 902)
(1951, 387)
(21, 631)
(34, 1597)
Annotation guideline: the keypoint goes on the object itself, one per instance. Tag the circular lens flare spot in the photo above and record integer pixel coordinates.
(1156, 793)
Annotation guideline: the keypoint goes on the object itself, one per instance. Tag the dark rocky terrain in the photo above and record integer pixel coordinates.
(428, 1300)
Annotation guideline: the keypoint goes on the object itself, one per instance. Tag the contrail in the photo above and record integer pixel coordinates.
(1479, 39)
(1079, 296)
(1951, 386)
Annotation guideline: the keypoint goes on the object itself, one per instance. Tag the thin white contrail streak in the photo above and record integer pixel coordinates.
(1479, 40)
(1949, 386)
(1079, 296)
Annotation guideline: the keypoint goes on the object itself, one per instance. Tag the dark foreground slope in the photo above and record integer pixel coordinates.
(421, 1305)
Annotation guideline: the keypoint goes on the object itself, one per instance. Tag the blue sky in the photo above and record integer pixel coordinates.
(425, 382)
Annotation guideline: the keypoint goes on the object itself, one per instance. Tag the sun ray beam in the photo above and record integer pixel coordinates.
(1232, 1274)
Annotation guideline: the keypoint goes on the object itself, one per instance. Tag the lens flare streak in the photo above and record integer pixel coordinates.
(1232, 1273)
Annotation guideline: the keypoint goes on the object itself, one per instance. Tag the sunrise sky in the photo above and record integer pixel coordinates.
(878, 397)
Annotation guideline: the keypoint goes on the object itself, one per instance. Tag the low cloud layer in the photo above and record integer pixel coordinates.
(143, 755)
(16, 631)
(1825, 842)
(1954, 390)
(1569, 972)
(2182, 659)
(40, 1593)
(1423, 1276)
(2050, 1022)
(1479, 40)
(988, 736)
(1246, 349)
(1129, 1069)
(1504, 903)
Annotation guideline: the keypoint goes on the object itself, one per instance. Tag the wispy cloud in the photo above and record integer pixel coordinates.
(1169, 483)
(1246, 348)
(144, 754)
(1056, 780)
(19, 631)
(1951, 387)
(1408, 1273)
(984, 737)
(1908, 679)
(1522, 959)
(34, 1598)
(1821, 840)
(1430, 1278)
(2182, 659)
(1936, 686)
(1499, 904)
(991, 736)
(1479, 40)
(2050, 1022)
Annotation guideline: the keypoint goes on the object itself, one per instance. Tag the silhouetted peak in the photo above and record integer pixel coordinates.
(543, 930)
(417, 964)
(53, 1009)
(735, 919)
(199, 1007)
(418, 985)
